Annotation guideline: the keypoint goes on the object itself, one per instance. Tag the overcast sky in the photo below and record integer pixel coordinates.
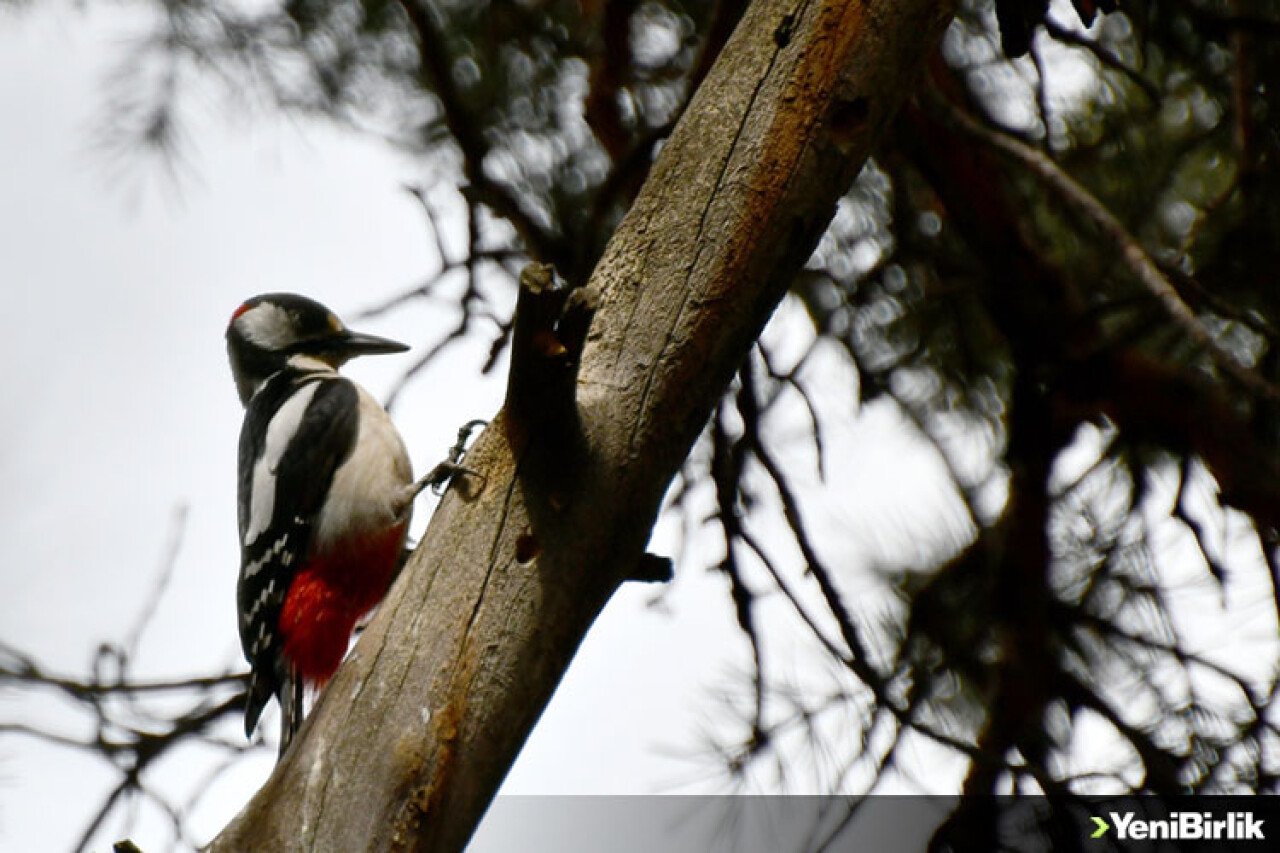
(120, 410)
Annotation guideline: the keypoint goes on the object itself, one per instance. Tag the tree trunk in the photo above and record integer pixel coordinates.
(410, 741)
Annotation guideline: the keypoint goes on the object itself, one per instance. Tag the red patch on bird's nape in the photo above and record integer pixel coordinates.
(235, 315)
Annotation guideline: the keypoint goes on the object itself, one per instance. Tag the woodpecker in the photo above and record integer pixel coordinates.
(325, 496)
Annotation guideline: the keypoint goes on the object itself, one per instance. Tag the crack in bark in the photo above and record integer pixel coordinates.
(314, 825)
(629, 323)
(493, 552)
(653, 368)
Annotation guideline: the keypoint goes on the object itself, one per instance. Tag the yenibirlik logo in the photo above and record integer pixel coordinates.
(1183, 826)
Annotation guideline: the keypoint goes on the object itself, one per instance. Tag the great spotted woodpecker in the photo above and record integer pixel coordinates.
(326, 491)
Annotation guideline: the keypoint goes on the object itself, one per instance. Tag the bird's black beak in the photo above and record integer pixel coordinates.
(350, 344)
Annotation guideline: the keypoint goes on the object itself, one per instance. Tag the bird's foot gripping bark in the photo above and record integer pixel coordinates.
(451, 466)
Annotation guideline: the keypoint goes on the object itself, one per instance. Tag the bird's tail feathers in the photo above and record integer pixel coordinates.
(288, 690)
(259, 693)
(290, 695)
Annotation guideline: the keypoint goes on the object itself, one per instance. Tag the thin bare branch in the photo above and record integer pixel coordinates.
(1103, 55)
(1140, 264)
(168, 563)
(436, 66)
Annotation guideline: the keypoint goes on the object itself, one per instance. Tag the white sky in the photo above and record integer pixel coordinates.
(122, 409)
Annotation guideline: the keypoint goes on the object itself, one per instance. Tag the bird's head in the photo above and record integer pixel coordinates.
(275, 330)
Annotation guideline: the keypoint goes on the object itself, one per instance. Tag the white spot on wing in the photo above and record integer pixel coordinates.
(283, 427)
(261, 601)
(255, 566)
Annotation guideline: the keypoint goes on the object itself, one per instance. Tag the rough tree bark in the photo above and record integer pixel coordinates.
(410, 741)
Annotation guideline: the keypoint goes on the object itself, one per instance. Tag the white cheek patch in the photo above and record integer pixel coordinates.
(267, 325)
(283, 427)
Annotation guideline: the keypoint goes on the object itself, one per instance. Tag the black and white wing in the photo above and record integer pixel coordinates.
(297, 431)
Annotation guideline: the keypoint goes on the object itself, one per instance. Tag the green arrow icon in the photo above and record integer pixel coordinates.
(1102, 825)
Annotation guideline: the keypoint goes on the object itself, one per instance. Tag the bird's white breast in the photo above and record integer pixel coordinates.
(370, 489)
